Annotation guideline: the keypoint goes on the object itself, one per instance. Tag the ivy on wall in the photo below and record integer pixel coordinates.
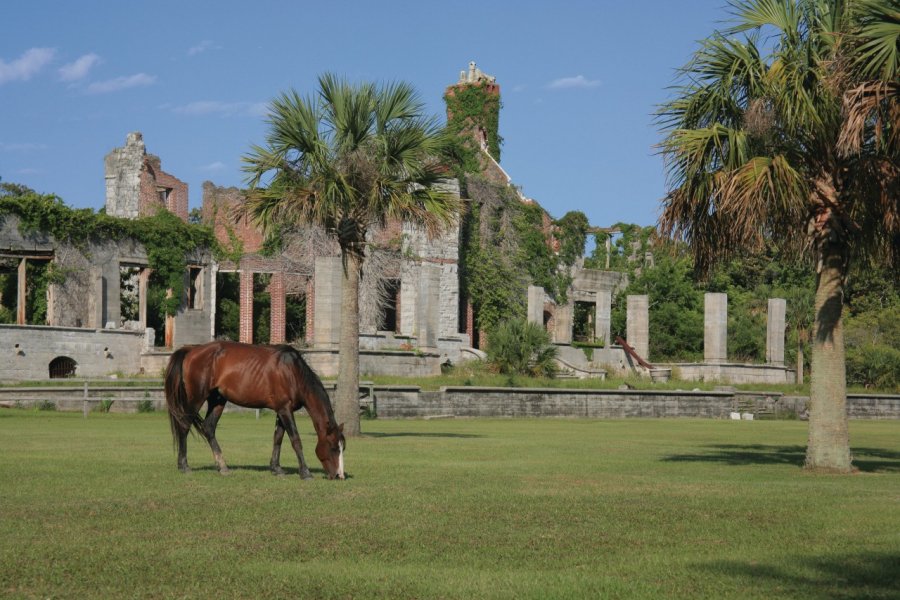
(167, 239)
(469, 107)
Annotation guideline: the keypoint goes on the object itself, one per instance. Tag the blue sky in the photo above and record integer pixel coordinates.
(579, 80)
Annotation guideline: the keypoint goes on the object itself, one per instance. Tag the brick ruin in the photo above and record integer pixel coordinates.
(97, 319)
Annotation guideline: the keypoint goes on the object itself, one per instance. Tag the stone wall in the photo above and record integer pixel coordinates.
(98, 353)
(410, 402)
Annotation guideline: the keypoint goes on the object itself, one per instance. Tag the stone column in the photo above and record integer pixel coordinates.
(143, 286)
(536, 305)
(428, 306)
(22, 283)
(603, 321)
(245, 326)
(97, 298)
(328, 285)
(715, 328)
(637, 325)
(562, 331)
(277, 309)
(775, 331)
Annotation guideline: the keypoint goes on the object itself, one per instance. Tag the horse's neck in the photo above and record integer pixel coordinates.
(321, 414)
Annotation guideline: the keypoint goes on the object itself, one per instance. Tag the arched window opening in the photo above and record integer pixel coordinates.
(62, 367)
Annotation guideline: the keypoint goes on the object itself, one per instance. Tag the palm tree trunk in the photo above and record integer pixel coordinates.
(346, 408)
(829, 441)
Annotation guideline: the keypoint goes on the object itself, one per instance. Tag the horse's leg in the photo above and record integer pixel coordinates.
(287, 418)
(213, 412)
(182, 449)
(275, 463)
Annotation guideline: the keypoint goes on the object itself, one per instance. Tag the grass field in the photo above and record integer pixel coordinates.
(447, 508)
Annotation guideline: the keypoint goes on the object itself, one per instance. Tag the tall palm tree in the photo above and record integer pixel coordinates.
(785, 127)
(346, 159)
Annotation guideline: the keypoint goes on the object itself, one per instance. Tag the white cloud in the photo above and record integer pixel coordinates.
(121, 83)
(200, 48)
(213, 166)
(577, 82)
(220, 109)
(27, 65)
(78, 69)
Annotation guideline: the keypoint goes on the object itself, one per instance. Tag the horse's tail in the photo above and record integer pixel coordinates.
(181, 414)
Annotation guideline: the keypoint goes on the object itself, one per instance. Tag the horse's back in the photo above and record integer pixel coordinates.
(243, 374)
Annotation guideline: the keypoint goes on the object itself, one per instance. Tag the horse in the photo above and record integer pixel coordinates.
(273, 377)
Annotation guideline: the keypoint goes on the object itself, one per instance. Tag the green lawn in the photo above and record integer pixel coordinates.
(447, 508)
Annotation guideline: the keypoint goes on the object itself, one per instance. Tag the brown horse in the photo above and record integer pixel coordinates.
(273, 377)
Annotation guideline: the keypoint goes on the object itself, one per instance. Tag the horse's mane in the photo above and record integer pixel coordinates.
(290, 356)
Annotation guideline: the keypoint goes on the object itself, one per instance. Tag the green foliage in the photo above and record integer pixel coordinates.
(627, 248)
(676, 308)
(167, 239)
(145, 406)
(571, 233)
(872, 338)
(470, 107)
(518, 347)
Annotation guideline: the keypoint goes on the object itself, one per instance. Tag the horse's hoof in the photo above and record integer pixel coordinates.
(185, 470)
(224, 471)
(279, 472)
(306, 475)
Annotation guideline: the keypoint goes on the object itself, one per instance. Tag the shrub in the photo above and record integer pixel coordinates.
(517, 347)
(873, 365)
(145, 406)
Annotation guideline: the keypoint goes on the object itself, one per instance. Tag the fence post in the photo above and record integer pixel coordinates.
(84, 402)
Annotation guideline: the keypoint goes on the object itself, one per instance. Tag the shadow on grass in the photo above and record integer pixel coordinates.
(399, 434)
(288, 471)
(851, 577)
(870, 460)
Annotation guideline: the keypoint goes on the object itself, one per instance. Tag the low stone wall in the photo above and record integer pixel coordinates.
(97, 352)
(393, 363)
(733, 372)
(398, 402)
(410, 402)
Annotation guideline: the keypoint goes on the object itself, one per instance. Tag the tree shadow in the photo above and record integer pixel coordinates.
(870, 460)
(403, 434)
(848, 577)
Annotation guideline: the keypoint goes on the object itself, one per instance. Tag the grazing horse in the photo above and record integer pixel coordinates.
(273, 377)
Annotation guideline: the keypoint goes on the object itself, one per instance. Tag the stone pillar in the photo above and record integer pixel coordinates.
(329, 282)
(277, 309)
(22, 284)
(536, 305)
(603, 320)
(96, 299)
(715, 328)
(562, 331)
(428, 306)
(143, 285)
(775, 331)
(245, 325)
(637, 325)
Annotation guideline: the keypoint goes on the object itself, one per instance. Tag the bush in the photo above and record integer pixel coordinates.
(145, 406)
(517, 347)
(874, 365)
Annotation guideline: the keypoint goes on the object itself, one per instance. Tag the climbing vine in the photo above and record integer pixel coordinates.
(468, 107)
(167, 239)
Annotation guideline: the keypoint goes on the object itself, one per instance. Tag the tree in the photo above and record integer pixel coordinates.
(346, 159)
(785, 127)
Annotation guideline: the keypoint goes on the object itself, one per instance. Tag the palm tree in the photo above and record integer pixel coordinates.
(351, 157)
(785, 127)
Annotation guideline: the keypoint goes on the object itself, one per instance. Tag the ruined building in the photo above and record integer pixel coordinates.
(97, 318)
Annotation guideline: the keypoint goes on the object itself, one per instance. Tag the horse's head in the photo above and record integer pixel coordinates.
(330, 451)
